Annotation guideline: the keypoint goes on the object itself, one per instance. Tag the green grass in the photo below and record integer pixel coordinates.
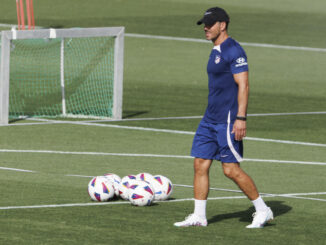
(87, 226)
(281, 22)
(124, 223)
(281, 79)
(168, 79)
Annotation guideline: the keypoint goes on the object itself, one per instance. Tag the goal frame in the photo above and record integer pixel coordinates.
(7, 36)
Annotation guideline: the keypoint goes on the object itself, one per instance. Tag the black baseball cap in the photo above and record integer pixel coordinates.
(214, 15)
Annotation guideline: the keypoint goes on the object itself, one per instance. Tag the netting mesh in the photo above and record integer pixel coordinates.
(35, 81)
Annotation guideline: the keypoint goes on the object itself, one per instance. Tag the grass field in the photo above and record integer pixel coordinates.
(285, 154)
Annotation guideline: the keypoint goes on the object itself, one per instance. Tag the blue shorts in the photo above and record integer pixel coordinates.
(215, 141)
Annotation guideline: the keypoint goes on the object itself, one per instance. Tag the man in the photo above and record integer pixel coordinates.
(220, 133)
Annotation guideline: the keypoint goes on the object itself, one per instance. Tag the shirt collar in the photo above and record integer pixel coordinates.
(218, 48)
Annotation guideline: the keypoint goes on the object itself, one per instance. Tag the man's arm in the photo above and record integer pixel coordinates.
(240, 127)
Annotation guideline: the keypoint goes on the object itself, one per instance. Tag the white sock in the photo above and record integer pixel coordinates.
(259, 204)
(200, 208)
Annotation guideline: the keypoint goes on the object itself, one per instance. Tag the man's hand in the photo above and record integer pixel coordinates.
(239, 129)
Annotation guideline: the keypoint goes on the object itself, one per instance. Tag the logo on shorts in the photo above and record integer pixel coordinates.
(224, 155)
(217, 59)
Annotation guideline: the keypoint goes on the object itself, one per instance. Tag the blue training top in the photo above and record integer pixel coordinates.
(225, 60)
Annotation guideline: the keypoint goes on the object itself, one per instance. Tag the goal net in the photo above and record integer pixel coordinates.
(61, 73)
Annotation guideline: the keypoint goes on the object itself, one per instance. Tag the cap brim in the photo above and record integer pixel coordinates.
(201, 21)
(207, 20)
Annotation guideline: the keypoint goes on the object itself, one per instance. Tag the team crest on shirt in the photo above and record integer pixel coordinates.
(217, 59)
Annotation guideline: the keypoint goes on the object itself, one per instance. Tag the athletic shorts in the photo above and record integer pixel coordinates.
(215, 141)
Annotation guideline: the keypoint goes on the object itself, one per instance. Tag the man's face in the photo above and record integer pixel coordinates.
(212, 32)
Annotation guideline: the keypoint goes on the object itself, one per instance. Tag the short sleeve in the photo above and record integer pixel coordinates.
(238, 60)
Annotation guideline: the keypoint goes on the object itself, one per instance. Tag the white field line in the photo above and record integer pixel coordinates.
(298, 197)
(304, 194)
(223, 189)
(244, 197)
(284, 161)
(290, 195)
(198, 117)
(125, 202)
(266, 45)
(17, 170)
(165, 118)
(94, 153)
(265, 194)
(146, 119)
(227, 190)
(175, 132)
(63, 205)
(197, 40)
(168, 131)
(171, 118)
(290, 142)
(128, 127)
(108, 203)
(193, 133)
(147, 155)
(262, 45)
(287, 114)
(46, 121)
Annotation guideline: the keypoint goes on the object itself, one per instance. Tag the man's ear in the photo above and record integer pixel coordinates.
(223, 26)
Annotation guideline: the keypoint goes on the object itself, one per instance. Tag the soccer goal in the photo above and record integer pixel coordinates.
(61, 73)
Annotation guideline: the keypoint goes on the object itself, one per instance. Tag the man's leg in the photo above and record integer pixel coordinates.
(201, 185)
(201, 178)
(201, 189)
(246, 184)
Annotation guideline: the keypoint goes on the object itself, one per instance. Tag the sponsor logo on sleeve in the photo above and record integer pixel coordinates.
(241, 62)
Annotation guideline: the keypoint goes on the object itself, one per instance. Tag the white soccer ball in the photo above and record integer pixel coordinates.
(163, 187)
(145, 177)
(100, 189)
(115, 179)
(141, 193)
(124, 186)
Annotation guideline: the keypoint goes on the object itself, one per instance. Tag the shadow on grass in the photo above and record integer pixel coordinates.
(15, 120)
(129, 114)
(246, 216)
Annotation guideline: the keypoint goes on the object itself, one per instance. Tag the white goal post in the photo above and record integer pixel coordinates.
(75, 72)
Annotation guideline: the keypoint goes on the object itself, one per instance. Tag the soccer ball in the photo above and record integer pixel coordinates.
(141, 193)
(145, 177)
(115, 179)
(124, 186)
(100, 189)
(163, 187)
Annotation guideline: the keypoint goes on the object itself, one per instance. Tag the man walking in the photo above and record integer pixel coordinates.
(220, 133)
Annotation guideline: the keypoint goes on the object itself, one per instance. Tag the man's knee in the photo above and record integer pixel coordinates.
(201, 166)
(231, 171)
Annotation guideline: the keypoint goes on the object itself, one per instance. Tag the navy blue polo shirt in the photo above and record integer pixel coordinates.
(225, 60)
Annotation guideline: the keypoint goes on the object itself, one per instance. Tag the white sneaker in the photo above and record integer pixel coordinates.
(261, 218)
(192, 220)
